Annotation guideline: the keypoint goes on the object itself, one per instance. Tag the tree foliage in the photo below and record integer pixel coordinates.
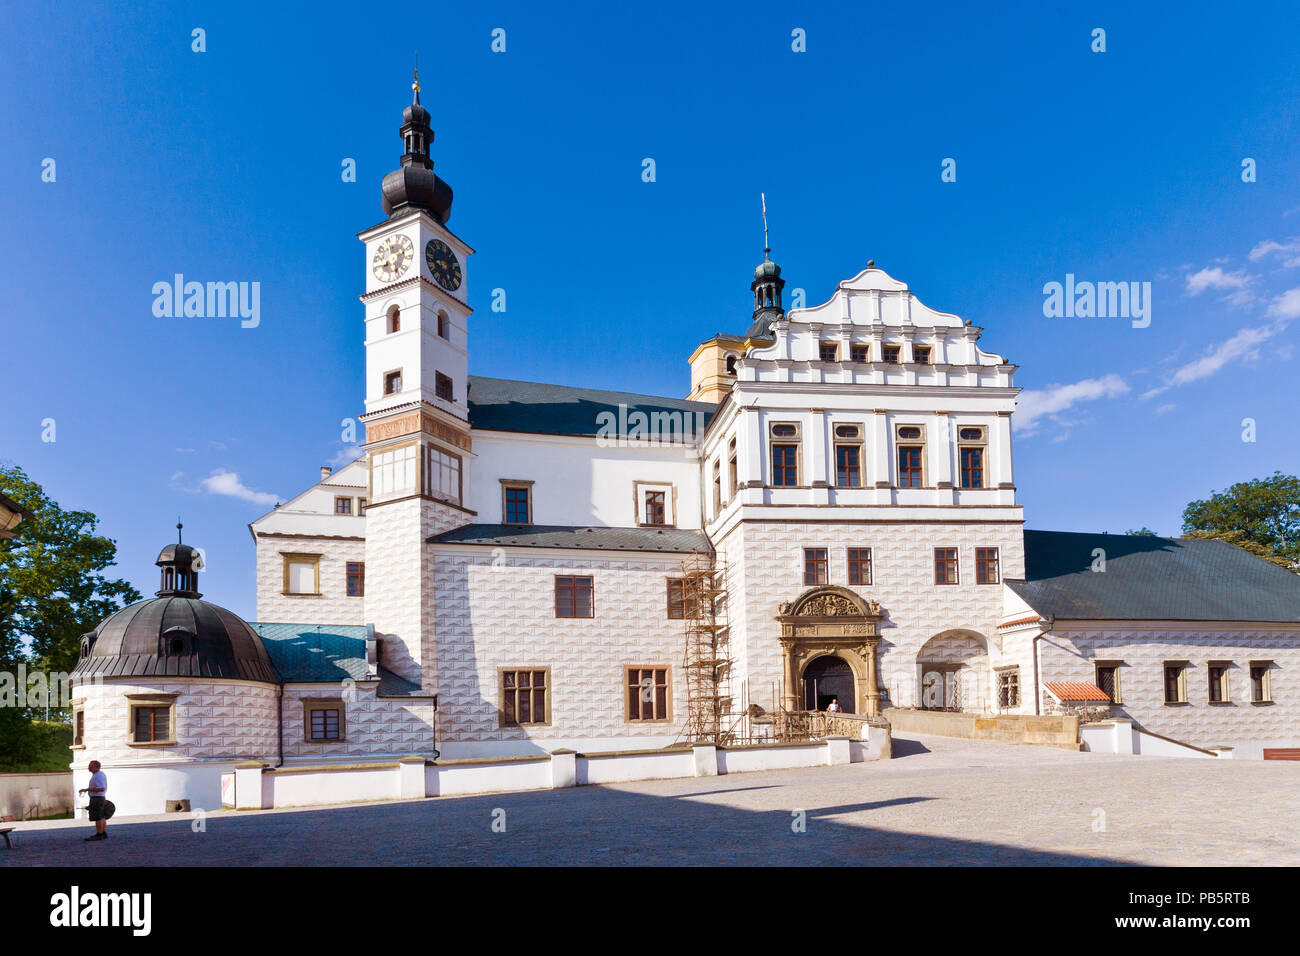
(53, 587)
(1261, 515)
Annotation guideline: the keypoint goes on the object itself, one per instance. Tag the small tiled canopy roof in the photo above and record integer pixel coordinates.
(1069, 691)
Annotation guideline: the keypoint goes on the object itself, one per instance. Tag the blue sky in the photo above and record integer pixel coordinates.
(225, 165)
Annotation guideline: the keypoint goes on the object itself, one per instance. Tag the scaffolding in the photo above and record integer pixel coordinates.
(710, 714)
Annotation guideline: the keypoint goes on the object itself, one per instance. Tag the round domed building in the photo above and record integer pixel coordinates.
(171, 692)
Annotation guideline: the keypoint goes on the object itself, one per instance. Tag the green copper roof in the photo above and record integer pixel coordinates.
(1152, 579)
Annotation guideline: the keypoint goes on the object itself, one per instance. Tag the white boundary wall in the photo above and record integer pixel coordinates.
(1120, 736)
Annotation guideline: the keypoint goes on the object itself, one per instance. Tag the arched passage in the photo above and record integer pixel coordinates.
(953, 672)
(828, 678)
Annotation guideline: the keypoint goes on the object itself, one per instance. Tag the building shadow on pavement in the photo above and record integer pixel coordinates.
(582, 826)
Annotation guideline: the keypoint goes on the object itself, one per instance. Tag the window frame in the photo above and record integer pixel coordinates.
(774, 442)
(733, 465)
(1116, 696)
(831, 348)
(997, 565)
(981, 447)
(956, 567)
(929, 354)
(313, 704)
(1013, 672)
(155, 701)
(856, 564)
(1266, 681)
(641, 490)
(848, 444)
(886, 348)
(393, 374)
(439, 381)
(810, 560)
(1222, 686)
(339, 499)
(300, 557)
(1181, 685)
(575, 587)
(516, 484)
(532, 688)
(655, 501)
(860, 349)
(360, 575)
(444, 326)
(628, 687)
(919, 445)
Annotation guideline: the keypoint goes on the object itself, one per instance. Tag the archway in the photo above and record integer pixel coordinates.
(953, 672)
(828, 678)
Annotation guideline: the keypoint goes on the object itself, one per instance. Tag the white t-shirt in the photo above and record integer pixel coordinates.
(97, 779)
(834, 708)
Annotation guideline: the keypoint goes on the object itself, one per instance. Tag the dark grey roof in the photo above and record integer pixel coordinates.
(174, 637)
(498, 404)
(1153, 579)
(391, 685)
(667, 540)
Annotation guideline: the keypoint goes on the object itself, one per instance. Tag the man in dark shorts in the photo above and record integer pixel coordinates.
(98, 791)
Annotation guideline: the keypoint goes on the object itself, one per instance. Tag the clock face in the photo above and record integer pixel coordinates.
(443, 265)
(392, 258)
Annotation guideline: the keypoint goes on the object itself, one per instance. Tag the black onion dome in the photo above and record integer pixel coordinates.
(766, 268)
(415, 187)
(174, 637)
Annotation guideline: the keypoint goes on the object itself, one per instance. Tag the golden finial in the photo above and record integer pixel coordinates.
(415, 84)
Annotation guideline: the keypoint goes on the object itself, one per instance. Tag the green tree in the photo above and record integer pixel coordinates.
(1142, 532)
(52, 585)
(1261, 515)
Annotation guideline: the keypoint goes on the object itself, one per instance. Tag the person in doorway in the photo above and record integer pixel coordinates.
(98, 790)
(834, 706)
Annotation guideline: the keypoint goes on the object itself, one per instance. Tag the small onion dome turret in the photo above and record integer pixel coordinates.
(414, 185)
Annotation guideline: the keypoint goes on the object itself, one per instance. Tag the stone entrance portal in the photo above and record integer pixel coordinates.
(831, 622)
(826, 679)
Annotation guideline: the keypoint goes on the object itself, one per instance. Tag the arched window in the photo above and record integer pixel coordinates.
(394, 320)
(444, 326)
(731, 365)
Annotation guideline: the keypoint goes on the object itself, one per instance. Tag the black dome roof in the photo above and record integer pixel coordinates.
(174, 636)
(415, 187)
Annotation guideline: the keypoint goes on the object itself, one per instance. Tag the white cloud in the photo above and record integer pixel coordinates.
(1216, 278)
(1286, 306)
(1244, 345)
(1290, 250)
(228, 483)
(1033, 405)
(346, 456)
(1164, 409)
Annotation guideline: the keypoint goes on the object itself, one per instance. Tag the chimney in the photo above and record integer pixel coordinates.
(325, 472)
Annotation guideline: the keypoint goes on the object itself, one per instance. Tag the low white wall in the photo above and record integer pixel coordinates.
(145, 788)
(488, 775)
(621, 768)
(261, 787)
(53, 796)
(1122, 737)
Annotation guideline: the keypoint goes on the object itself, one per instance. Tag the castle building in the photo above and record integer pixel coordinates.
(513, 567)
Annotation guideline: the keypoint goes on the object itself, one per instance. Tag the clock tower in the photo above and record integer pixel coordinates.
(416, 419)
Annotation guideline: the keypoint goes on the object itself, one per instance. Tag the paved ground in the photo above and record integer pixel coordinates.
(940, 801)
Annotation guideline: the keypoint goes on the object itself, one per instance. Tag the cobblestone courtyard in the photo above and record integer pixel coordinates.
(940, 801)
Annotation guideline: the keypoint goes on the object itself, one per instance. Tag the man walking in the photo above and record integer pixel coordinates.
(98, 791)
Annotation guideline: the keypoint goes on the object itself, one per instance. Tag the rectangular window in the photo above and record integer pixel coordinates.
(301, 573)
(442, 387)
(861, 353)
(647, 693)
(151, 724)
(815, 566)
(343, 506)
(1175, 683)
(574, 596)
(656, 511)
(324, 720)
(717, 488)
(442, 476)
(356, 579)
(361, 506)
(677, 606)
(848, 468)
(525, 697)
(986, 566)
(972, 467)
(1009, 688)
(892, 353)
(1218, 671)
(945, 565)
(921, 354)
(829, 352)
(1260, 690)
(860, 566)
(909, 466)
(732, 465)
(392, 472)
(785, 456)
(392, 382)
(1107, 679)
(517, 503)
(79, 728)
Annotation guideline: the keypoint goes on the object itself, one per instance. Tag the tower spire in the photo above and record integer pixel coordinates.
(766, 287)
